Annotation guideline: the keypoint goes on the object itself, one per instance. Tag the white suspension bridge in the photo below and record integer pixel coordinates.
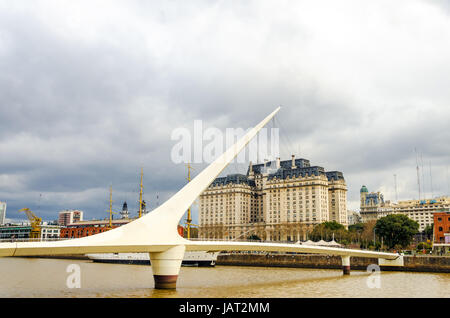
(156, 232)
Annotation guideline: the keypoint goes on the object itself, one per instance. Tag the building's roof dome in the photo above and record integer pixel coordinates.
(364, 189)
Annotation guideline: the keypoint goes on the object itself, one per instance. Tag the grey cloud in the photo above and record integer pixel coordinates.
(81, 108)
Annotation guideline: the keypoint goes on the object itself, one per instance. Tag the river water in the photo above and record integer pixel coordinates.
(25, 277)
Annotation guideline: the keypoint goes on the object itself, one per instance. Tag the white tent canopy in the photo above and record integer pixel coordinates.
(320, 243)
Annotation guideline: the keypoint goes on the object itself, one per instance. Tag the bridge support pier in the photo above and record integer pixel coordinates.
(166, 267)
(346, 265)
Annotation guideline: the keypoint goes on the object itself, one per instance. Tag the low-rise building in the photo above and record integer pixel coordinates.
(23, 231)
(442, 248)
(12, 231)
(76, 227)
(441, 226)
(92, 227)
(88, 228)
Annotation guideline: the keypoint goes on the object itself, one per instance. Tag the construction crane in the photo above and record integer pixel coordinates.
(35, 223)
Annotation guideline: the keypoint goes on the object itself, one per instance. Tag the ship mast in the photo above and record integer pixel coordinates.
(140, 193)
(189, 218)
(418, 175)
(110, 207)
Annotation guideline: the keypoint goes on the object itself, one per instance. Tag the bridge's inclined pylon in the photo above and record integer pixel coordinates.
(156, 232)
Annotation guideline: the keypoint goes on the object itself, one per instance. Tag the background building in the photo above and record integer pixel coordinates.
(353, 217)
(274, 201)
(374, 207)
(88, 228)
(2, 212)
(75, 227)
(8, 232)
(441, 232)
(13, 231)
(69, 216)
(124, 214)
(441, 226)
(50, 231)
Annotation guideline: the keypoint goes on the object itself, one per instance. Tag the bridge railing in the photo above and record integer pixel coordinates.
(260, 241)
(231, 240)
(14, 240)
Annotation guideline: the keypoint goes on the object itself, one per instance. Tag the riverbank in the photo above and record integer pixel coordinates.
(433, 264)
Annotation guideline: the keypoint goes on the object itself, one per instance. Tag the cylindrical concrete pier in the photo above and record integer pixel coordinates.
(165, 281)
(166, 267)
(346, 265)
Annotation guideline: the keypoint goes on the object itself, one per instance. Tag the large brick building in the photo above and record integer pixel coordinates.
(88, 228)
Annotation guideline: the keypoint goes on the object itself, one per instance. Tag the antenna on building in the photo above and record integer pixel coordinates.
(39, 202)
(431, 182)
(423, 178)
(417, 168)
(448, 184)
(395, 184)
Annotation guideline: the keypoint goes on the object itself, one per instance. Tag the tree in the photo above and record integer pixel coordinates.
(326, 230)
(254, 237)
(424, 246)
(358, 227)
(396, 229)
(366, 236)
(428, 231)
(333, 226)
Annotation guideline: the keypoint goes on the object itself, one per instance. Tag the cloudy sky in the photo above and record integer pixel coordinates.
(90, 91)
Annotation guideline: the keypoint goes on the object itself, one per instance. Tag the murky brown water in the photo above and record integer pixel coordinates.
(21, 277)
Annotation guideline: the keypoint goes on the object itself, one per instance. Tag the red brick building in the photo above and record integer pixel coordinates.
(441, 226)
(88, 228)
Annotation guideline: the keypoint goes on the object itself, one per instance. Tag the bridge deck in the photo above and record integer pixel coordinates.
(215, 246)
(74, 247)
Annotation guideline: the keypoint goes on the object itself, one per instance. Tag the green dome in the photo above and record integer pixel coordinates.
(364, 189)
